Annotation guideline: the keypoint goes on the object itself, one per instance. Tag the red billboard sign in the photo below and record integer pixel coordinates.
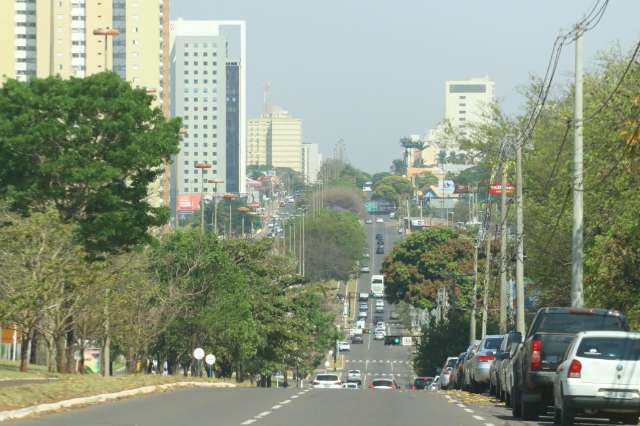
(497, 188)
(188, 203)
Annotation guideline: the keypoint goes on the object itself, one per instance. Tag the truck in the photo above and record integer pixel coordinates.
(363, 297)
(377, 286)
(535, 361)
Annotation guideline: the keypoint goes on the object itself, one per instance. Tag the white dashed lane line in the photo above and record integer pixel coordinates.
(275, 407)
(478, 418)
(248, 422)
(468, 410)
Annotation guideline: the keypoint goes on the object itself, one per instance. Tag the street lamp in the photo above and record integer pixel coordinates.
(243, 211)
(106, 33)
(202, 167)
(229, 197)
(215, 183)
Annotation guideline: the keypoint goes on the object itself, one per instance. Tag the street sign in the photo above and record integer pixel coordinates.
(198, 353)
(407, 341)
(327, 364)
(497, 188)
(210, 359)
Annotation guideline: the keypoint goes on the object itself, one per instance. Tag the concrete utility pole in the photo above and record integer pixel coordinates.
(302, 250)
(503, 251)
(487, 275)
(520, 319)
(577, 300)
(474, 306)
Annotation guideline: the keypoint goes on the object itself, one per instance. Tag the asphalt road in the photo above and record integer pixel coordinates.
(306, 407)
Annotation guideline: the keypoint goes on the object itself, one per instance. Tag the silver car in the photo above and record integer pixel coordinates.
(481, 361)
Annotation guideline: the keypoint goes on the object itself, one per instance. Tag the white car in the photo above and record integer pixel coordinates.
(383, 384)
(368, 221)
(435, 385)
(362, 314)
(380, 324)
(361, 324)
(364, 269)
(600, 376)
(379, 335)
(354, 376)
(326, 381)
(344, 346)
(379, 220)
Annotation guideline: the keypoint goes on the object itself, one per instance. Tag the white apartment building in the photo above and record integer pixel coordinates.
(311, 162)
(467, 101)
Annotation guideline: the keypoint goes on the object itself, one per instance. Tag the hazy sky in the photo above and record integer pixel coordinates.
(371, 71)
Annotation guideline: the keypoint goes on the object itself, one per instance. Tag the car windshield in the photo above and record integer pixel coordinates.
(381, 383)
(354, 371)
(613, 348)
(452, 362)
(571, 323)
(327, 378)
(493, 343)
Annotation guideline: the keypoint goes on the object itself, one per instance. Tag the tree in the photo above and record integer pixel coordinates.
(344, 198)
(426, 261)
(439, 341)
(90, 147)
(424, 181)
(398, 167)
(393, 188)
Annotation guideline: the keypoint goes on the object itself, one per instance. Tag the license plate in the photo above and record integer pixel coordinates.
(618, 395)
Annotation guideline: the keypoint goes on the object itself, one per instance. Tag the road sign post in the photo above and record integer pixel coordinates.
(210, 359)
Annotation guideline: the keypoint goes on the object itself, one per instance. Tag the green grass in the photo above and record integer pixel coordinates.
(10, 370)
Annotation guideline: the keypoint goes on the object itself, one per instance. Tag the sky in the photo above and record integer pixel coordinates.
(372, 71)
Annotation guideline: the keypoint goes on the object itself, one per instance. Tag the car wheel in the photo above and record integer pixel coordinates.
(630, 419)
(515, 402)
(567, 414)
(556, 416)
(529, 411)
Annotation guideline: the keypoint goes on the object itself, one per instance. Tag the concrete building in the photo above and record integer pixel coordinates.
(233, 127)
(311, 162)
(466, 101)
(275, 140)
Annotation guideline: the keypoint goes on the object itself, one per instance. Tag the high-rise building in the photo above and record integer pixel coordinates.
(208, 93)
(40, 38)
(275, 140)
(467, 101)
(311, 162)
(233, 127)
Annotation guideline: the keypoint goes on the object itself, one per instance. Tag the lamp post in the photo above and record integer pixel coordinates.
(243, 211)
(106, 33)
(229, 197)
(215, 183)
(202, 167)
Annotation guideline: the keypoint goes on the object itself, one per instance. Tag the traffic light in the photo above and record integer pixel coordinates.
(393, 340)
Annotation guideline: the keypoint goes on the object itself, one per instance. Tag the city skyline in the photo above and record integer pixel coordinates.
(331, 70)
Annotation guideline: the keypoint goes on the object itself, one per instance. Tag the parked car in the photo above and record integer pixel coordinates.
(457, 376)
(447, 369)
(421, 383)
(326, 381)
(466, 369)
(536, 360)
(480, 364)
(435, 384)
(354, 376)
(500, 380)
(600, 377)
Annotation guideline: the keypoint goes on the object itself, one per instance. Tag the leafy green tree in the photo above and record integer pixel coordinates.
(426, 261)
(90, 147)
(439, 341)
(424, 181)
(398, 167)
(393, 188)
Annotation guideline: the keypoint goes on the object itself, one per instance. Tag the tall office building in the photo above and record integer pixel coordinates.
(40, 38)
(311, 162)
(467, 101)
(275, 140)
(208, 92)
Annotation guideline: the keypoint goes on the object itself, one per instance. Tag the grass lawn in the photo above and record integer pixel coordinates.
(10, 370)
(69, 386)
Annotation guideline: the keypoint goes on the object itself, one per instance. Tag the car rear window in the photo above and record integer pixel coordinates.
(354, 371)
(327, 378)
(382, 383)
(422, 382)
(609, 348)
(452, 362)
(574, 323)
(493, 343)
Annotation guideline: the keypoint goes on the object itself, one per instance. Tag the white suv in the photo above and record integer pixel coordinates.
(600, 376)
(327, 381)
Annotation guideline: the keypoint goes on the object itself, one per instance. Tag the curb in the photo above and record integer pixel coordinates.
(54, 406)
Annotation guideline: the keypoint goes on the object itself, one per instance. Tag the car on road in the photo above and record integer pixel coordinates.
(361, 324)
(535, 362)
(379, 220)
(379, 237)
(421, 383)
(380, 250)
(326, 381)
(600, 377)
(380, 324)
(344, 346)
(480, 364)
(364, 269)
(435, 384)
(354, 376)
(357, 339)
(363, 297)
(379, 335)
(447, 370)
(362, 314)
(383, 384)
(379, 308)
(363, 306)
(368, 221)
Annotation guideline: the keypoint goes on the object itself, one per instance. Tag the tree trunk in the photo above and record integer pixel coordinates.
(60, 351)
(24, 351)
(70, 358)
(81, 369)
(50, 354)
(34, 345)
(286, 378)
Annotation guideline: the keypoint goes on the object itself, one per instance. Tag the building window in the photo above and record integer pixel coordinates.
(186, 181)
(186, 63)
(186, 72)
(186, 81)
(462, 112)
(186, 99)
(462, 105)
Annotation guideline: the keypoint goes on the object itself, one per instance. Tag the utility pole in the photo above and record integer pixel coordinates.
(474, 306)
(302, 251)
(487, 275)
(503, 251)
(577, 299)
(520, 319)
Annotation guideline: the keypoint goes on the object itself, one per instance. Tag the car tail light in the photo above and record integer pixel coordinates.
(536, 354)
(315, 382)
(485, 358)
(370, 386)
(575, 368)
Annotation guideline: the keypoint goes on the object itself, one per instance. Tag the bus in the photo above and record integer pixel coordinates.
(377, 286)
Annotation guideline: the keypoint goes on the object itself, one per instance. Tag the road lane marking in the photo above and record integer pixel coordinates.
(468, 410)
(248, 422)
(478, 418)
(263, 414)
(489, 424)
(294, 396)
(460, 405)
(286, 401)
(275, 407)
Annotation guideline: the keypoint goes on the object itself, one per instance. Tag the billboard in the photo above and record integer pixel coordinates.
(497, 187)
(446, 187)
(188, 203)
